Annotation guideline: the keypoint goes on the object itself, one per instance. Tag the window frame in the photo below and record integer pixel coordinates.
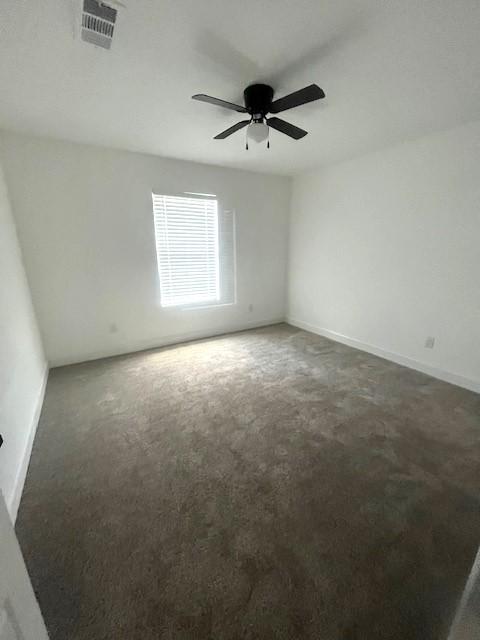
(214, 304)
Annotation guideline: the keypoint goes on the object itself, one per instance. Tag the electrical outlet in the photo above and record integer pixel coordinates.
(429, 342)
(113, 328)
(250, 308)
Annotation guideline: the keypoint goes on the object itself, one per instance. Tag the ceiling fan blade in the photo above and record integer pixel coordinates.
(286, 128)
(297, 98)
(219, 103)
(228, 132)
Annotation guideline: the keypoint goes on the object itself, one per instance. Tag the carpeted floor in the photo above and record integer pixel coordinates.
(267, 484)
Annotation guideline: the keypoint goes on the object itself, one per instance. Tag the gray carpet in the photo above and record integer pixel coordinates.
(266, 484)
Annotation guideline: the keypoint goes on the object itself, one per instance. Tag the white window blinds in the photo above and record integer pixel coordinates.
(193, 268)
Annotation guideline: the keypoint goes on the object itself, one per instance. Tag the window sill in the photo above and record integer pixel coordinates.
(195, 307)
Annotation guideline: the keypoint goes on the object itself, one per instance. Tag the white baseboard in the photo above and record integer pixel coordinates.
(15, 498)
(441, 374)
(163, 341)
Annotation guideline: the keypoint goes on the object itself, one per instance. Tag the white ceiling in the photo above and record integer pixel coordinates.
(391, 69)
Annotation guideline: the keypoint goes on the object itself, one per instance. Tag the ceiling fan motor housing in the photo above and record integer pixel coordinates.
(258, 98)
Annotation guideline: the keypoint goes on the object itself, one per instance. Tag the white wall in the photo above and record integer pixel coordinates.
(22, 362)
(20, 616)
(385, 251)
(466, 624)
(84, 217)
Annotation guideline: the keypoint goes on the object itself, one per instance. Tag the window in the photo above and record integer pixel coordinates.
(195, 251)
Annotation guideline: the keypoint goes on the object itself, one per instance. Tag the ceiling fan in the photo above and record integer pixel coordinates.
(259, 102)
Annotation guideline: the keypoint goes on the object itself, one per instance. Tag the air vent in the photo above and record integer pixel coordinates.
(98, 23)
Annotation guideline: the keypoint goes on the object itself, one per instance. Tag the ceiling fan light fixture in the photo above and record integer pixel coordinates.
(259, 103)
(257, 132)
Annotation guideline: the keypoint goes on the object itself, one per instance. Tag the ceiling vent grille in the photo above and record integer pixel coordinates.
(98, 23)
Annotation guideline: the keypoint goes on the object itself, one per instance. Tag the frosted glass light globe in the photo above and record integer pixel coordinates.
(257, 131)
